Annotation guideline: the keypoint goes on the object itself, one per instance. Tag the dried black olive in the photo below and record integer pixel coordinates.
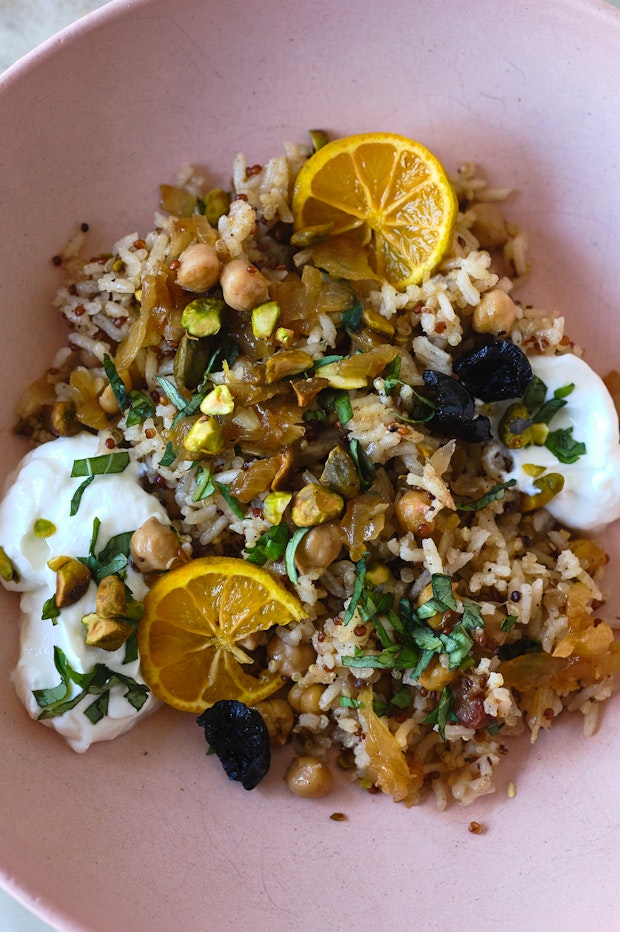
(454, 414)
(497, 371)
(517, 648)
(239, 737)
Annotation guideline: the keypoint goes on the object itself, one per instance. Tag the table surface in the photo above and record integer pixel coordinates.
(24, 24)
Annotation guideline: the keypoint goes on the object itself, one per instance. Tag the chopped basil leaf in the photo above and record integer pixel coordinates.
(363, 464)
(141, 407)
(171, 391)
(111, 559)
(205, 485)
(402, 699)
(352, 317)
(270, 546)
(495, 726)
(230, 499)
(348, 703)
(106, 464)
(289, 554)
(564, 447)
(443, 713)
(327, 360)
(169, 456)
(116, 383)
(77, 496)
(342, 406)
(316, 414)
(57, 700)
(535, 394)
(50, 610)
(442, 590)
(358, 588)
(548, 411)
(508, 623)
(391, 375)
(495, 493)
(423, 410)
(517, 648)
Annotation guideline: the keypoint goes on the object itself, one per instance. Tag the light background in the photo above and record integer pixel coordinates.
(24, 24)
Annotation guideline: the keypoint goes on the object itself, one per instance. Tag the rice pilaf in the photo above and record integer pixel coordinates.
(509, 639)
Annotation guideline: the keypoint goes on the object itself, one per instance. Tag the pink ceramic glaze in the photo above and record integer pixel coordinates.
(145, 833)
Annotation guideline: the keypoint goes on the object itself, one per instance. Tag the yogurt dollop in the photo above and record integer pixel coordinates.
(590, 498)
(42, 488)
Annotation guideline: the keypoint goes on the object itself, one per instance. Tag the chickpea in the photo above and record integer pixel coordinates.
(411, 512)
(306, 698)
(199, 267)
(496, 313)
(243, 286)
(155, 547)
(318, 548)
(290, 658)
(279, 719)
(308, 777)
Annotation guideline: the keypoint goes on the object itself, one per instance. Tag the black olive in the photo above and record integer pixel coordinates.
(497, 371)
(454, 414)
(239, 737)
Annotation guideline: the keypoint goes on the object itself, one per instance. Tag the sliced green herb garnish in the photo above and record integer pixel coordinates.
(443, 713)
(327, 360)
(169, 456)
(564, 447)
(289, 554)
(50, 610)
(423, 410)
(141, 407)
(116, 383)
(57, 700)
(508, 623)
(358, 588)
(230, 499)
(535, 394)
(391, 375)
(363, 464)
(348, 702)
(352, 317)
(205, 486)
(270, 546)
(342, 406)
(171, 391)
(77, 495)
(111, 559)
(495, 493)
(107, 464)
(564, 391)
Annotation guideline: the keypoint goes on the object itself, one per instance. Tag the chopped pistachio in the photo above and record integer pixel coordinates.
(531, 469)
(288, 362)
(111, 597)
(549, 485)
(106, 633)
(202, 317)
(216, 203)
(517, 430)
(218, 401)
(314, 504)
(274, 506)
(190, 360)
(338, 379)
(7, 570)
(377, 323)
(72, 579)
(44, 528)
(340, 474)
(319, 138)
(205, 436)
(63, 422)
(264, 319)
(377, 573)
(284, 336)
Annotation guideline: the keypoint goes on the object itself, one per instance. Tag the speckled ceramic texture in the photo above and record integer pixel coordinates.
(145, 833)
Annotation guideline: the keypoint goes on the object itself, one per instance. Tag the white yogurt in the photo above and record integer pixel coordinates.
(42, 487)
(590, 498)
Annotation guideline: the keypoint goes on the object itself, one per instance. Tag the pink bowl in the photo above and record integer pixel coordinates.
(143, 833)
